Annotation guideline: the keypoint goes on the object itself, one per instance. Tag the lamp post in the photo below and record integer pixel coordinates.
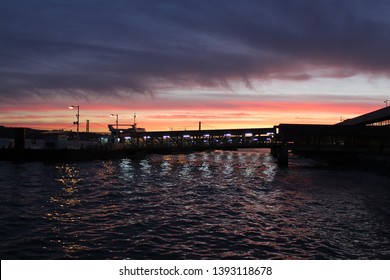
(386, 101)
(77, 116)
(116, 131)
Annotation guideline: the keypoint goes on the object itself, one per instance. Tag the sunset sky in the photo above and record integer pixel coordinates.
(247, 63)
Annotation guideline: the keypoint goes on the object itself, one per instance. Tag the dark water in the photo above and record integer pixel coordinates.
(215, 205)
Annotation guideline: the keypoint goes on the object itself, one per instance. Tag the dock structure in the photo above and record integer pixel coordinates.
(332, 138)
(200, 139)
(365, 134)
(369, 133)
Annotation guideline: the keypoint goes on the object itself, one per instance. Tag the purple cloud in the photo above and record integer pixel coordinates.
(105, 47)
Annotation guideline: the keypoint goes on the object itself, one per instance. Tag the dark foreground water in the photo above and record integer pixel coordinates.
(212, 205)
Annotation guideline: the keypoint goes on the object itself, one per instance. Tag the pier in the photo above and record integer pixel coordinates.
(202, 139)
(368, 134)
(365, 134)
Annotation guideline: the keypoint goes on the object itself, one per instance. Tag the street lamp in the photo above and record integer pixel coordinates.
(386, 101)
(77, 116)
(116, 131)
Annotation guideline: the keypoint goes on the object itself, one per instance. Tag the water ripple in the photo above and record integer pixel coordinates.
(212, 205)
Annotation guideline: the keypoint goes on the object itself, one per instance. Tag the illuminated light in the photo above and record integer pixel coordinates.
(166, 137)
(186, 136)
(227, 135)
(206, 135)
(248, 134)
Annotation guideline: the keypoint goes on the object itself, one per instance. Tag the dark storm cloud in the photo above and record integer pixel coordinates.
(136, 46)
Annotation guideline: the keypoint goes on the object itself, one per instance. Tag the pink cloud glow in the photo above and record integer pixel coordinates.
(155, 115)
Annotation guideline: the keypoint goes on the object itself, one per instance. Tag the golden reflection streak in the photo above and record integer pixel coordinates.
(68, 175)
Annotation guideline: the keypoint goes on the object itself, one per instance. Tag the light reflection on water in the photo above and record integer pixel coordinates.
(213, 205)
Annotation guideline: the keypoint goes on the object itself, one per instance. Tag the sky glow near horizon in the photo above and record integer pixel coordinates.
(227, 64)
